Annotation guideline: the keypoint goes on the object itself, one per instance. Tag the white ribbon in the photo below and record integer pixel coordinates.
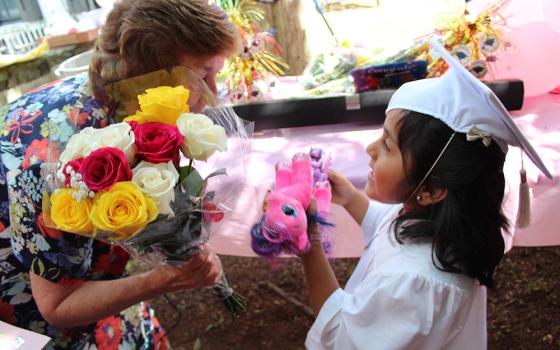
(475, 133)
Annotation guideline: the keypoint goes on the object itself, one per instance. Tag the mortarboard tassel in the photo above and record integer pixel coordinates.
(524, 209)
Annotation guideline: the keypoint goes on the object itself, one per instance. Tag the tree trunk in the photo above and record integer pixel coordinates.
(284, 17)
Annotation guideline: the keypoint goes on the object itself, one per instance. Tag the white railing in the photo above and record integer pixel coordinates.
(20, 37)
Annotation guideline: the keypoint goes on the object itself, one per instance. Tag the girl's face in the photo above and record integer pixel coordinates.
(386, 180)
(204, 68)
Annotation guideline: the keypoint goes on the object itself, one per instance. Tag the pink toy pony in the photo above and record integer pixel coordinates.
(283, 226)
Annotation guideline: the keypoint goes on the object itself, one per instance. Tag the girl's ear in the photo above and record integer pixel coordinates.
(426, 197)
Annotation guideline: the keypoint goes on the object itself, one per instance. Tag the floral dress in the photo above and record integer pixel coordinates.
(32, 127)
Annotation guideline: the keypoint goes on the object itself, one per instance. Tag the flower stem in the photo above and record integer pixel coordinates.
(235, 303)
(190, 165)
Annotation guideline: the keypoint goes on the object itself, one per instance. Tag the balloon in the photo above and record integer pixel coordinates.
(551, 10)
(535, 60)
(534, 30)
(515, 12)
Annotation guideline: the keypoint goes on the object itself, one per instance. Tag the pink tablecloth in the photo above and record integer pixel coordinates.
(540, 121)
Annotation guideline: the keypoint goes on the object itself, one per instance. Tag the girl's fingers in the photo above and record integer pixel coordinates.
(312, 207)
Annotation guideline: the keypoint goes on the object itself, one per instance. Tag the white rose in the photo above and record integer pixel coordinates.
(157, 181)
(202, 136)
(78, 145)
(117, 135)
(89, 139)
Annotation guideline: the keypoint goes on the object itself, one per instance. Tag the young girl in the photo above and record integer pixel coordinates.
(432, 222)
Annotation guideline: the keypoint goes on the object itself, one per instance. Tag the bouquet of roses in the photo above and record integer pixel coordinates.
(125, 183)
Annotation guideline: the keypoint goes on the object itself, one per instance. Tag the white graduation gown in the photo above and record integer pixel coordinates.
(397, 299)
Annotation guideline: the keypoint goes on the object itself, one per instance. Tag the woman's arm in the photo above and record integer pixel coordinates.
(77, 305)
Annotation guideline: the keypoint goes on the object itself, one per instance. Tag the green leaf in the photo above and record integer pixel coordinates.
(193, 184)
(184, 171)
(221, 171)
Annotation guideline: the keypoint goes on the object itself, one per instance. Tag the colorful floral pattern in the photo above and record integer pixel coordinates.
(32, 128)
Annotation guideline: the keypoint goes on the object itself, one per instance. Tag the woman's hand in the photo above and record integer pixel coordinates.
(342, 189)
(202, 270)
(71, 305)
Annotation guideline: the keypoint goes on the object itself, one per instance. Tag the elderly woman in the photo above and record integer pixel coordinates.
(72, 288)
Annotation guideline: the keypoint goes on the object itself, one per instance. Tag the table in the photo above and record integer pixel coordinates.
(539, 120)
(331, 109)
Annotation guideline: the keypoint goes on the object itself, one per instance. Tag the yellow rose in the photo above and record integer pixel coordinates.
(123, 210)
(163, 104)
(70, 215)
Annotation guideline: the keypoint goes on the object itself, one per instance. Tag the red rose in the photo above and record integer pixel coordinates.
(105, 167)
(157, 142)
(75, 165)
(211, 212)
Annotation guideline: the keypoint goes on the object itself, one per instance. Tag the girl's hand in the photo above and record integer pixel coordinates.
(320, 278)
(202, 270)
(341, 188)
(313, 233)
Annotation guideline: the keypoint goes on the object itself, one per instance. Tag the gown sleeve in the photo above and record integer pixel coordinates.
(394, 311)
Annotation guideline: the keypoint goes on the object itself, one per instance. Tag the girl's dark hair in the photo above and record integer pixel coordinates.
(466, 227)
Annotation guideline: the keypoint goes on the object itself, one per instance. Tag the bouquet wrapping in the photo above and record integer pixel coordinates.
(136, 183)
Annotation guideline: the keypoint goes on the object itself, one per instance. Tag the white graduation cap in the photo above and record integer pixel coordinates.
(466, 105)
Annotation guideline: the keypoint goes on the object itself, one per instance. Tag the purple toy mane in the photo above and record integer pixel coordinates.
(320, 164)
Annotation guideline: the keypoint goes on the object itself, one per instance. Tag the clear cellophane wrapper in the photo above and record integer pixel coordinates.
(204, 192)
